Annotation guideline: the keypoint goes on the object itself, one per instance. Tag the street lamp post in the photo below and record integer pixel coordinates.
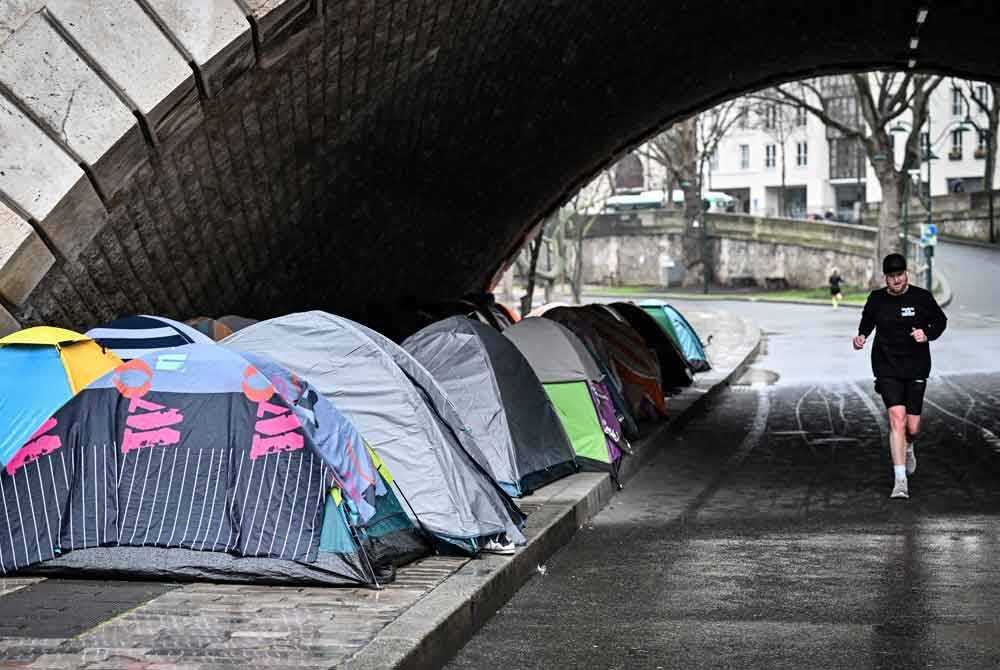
(926, 154)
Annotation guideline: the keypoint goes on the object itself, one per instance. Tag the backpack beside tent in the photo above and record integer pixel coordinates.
(574, 384)
(500, 398)
(403, 414)
(683, 335)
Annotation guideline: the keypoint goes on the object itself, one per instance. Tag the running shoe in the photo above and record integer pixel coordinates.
(899, 489)
(911, 459)
(497, 546)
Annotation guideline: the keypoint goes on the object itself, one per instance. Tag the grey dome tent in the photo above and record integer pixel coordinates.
(577, 389)
(402, 413)
(500, 398)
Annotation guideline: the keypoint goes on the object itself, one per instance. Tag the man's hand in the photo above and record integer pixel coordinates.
(919, 335)
(859, 342)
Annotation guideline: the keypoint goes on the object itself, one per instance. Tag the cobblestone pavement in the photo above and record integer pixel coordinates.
(763, 536)
(215, 625)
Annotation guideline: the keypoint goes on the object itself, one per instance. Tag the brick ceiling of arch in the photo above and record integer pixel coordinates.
(203, 157)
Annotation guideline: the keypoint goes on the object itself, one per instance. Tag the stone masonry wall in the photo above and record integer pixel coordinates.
(626, 250)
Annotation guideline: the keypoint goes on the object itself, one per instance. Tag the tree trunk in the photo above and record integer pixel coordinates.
(693, 247)
(535, 247)
(889, 221)
(991, 156)
(576, 281)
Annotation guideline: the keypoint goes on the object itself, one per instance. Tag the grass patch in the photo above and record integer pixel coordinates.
(852, 294)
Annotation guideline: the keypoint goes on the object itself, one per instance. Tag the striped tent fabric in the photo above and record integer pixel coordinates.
(134, 336)
(191, 448)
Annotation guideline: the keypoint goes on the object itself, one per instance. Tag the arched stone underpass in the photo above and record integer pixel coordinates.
(262, 156)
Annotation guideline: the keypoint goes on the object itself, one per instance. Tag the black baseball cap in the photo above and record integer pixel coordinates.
(893, 263)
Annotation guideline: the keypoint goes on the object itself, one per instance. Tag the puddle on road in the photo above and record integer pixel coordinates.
(758, 377)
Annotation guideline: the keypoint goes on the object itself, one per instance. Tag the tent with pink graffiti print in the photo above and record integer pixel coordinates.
(190, 463)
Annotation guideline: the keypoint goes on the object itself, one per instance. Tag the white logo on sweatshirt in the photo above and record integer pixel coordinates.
(908, 311)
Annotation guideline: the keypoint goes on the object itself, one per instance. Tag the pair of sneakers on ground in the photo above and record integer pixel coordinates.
(498, 544)
(899, 487)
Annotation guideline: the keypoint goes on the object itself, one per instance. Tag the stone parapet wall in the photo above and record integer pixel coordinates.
(764, 251)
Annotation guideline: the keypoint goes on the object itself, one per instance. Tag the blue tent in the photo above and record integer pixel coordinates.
(684, 336)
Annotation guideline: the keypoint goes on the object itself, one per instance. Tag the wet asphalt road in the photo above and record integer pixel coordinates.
(762, 535)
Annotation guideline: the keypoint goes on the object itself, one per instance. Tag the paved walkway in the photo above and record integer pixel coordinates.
(432, 608)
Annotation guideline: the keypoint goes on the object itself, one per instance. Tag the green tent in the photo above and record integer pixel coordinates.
(575, 386)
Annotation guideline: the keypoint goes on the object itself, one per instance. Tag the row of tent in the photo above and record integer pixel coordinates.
(310, 448)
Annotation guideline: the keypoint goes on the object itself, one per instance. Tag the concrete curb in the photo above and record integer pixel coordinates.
(946, 292)
(430, 633)
(719, 298)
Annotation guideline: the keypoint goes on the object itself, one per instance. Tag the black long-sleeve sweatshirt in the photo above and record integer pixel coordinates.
(894, 318)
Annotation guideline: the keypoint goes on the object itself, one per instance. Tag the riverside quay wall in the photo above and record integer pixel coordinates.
(645, 248)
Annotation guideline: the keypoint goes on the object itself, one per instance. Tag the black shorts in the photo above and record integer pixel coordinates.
(907, 392)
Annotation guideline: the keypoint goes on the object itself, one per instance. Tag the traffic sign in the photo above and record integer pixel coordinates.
(928, 235)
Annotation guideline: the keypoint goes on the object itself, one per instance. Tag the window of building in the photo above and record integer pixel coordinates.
(743, 118)
(628, 173)
(713, 159)
(983, 136)
(744, 156)
(770, 117)
(956, 101)
(770, 151)
(800, 116)
(983, 94)
(925, 144)
(802, 154)
(956, 145)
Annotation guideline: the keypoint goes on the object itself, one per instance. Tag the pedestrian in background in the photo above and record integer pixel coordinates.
(905, 319)
(835, 295)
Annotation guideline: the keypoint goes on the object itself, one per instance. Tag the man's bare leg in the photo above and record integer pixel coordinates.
(912, 431)
(897, 449)
(897, 436)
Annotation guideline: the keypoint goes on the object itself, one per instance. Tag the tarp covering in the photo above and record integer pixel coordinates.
(403, 414)
(133, 336)
(191, 449)
(41, 368)
(499, 398)
(684, 335)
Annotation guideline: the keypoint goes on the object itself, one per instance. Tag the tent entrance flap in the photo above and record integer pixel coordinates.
(576, 411)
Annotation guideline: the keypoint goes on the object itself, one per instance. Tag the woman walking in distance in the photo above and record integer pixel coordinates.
(905, 319)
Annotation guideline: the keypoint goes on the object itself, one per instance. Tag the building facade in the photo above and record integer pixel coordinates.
(826, 175)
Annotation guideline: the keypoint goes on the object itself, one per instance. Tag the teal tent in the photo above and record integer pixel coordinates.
(681, 332)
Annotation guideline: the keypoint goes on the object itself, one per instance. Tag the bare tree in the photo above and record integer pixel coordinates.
(878, 100)
(684, 150)
(575, 220)
(986, 101)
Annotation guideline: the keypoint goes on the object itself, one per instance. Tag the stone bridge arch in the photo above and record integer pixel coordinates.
(260, 156)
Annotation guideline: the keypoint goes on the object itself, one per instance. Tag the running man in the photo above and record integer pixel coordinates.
(906, 318)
